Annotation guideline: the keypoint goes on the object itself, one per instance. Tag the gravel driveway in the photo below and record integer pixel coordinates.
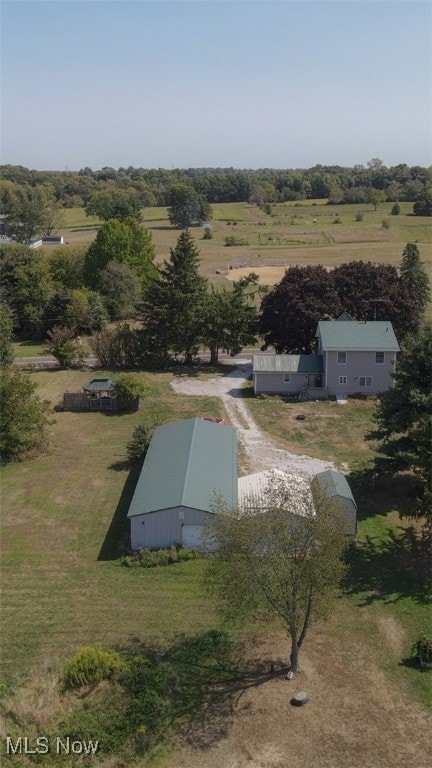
(261, 453)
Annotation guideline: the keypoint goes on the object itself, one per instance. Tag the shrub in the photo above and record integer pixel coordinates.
(385, 224)
(130, 385)
(232, 240)
(146, 558)
(395, 211)
(359, 216)
(65, 345)
(91, 665)
(422, 651)
(208, 233)
(337, 220)
(137, 447)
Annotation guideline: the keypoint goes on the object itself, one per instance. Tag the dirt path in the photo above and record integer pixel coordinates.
(261, 453)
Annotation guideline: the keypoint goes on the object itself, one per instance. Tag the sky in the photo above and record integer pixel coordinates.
(244, 84)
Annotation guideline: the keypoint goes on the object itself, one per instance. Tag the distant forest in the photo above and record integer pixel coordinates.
(152, 187)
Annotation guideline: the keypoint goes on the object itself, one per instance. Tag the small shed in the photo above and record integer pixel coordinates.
(189, 465)
(334, 485)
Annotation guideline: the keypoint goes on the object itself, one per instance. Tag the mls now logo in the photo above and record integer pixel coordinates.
(25, 746)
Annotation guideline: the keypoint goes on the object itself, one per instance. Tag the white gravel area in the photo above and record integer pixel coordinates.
(261, 453)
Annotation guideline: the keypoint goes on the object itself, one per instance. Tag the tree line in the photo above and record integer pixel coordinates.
(154, 187)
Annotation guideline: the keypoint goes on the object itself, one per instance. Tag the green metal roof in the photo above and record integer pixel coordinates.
(99, 385)
(334, 484)
(287, 364)
(187, 463)
(373, 335)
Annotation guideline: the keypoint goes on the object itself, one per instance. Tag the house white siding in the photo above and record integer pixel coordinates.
(164, 528)
(358, 366)
(275, 383)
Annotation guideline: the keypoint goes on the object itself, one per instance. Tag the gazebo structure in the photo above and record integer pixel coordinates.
(99, 394)
(100, 388)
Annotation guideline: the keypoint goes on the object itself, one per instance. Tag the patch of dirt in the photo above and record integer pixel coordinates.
(393, 633)
(354, 718)
(267, 275)
(260, 452)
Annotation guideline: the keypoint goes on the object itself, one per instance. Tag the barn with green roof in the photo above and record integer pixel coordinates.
(189, 466)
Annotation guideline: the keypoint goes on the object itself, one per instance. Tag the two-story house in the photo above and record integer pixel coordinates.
(353, 357)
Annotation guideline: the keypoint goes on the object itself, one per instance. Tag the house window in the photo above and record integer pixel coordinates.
(365, 381)
(287, 378)
(342, 358)
(379, 357)
(342, 379)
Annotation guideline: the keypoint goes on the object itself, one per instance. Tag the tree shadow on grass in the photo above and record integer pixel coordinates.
(206, 687)
(382, 495)
(389, 569)
(117, 536)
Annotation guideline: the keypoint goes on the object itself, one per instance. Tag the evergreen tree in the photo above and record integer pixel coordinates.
(414, 278)
(6, 329)
(231, 318)
(174, 303)
(404, 418)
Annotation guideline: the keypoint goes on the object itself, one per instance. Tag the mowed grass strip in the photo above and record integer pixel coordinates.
(63, 512)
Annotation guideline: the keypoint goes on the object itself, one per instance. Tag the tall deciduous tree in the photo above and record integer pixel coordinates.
(174, 304)
(187, 207)
(28, 287)
(276, 564)
(114, 204)
(291, 311)
(404, 418)
(123, 241)
(23, 415)
(375, 292)
(120, 289)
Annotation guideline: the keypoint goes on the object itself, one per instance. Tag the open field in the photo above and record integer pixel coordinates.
(288, 234)
(64, 527)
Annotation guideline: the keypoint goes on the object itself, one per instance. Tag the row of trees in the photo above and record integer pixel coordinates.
(83, 289)
(217, 185)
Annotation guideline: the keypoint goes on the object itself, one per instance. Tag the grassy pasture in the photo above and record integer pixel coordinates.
(289, 234)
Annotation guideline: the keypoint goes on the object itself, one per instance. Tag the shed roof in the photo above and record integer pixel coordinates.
(334, 484)
(287, 363)
(99, 385)
(187, 463)
(374, 335)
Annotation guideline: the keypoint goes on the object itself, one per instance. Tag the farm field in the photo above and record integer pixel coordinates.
(64, 527)
(288, 235)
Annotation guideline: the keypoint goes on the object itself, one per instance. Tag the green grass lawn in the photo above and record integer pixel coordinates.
(329, 431)
(63, 522)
